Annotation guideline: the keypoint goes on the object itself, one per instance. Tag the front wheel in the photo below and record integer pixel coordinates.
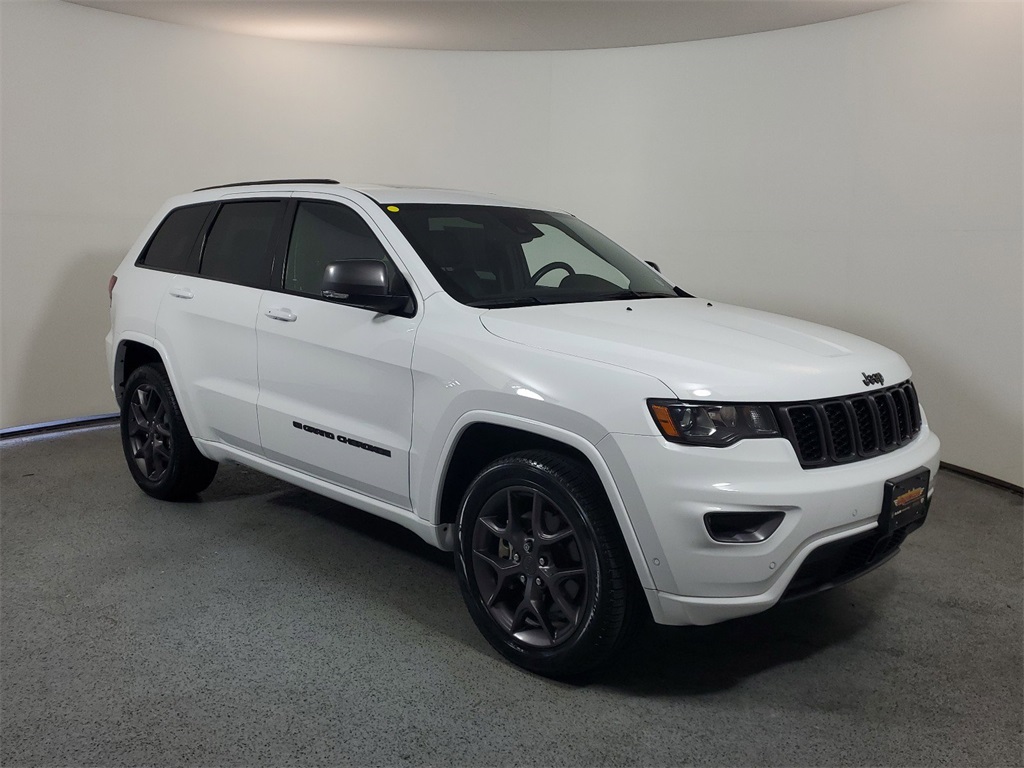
(542, 564)
(161, 454)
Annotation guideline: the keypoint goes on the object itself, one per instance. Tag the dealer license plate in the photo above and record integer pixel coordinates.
(905, 500)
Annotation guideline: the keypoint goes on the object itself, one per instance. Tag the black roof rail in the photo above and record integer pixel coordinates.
(269, 181)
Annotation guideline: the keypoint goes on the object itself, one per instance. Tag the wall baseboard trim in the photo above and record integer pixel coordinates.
(987, 479)
(63, 425)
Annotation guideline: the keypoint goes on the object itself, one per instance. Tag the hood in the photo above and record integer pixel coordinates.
(705, 351)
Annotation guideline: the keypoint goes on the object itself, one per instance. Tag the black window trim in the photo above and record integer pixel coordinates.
(191, 261)
(273, 244)
(281, 254)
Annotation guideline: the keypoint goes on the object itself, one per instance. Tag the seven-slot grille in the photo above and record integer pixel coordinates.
(851, 428)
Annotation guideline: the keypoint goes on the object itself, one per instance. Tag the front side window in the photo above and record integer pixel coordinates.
(491, 256)
(238, 247)
(174, 239)
(324, 233)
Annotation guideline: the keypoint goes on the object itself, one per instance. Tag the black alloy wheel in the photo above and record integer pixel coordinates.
(162, 457)
(542, 564)
(149, 432)
(529, 567)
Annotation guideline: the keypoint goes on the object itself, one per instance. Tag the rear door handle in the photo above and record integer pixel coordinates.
(181, 293)
(283, 314)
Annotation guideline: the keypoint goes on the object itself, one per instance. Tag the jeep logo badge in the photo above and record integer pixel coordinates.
(872, 378)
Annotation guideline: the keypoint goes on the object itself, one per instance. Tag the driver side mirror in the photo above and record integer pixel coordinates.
(362, 283)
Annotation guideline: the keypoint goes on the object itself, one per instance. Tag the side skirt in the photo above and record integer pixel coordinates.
(432, 534)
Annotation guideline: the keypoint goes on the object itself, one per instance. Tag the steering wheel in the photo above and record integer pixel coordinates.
(535, 278)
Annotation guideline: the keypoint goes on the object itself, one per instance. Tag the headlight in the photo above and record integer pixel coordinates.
(712, 424)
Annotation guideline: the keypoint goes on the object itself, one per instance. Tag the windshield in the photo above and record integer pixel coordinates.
(490, 256)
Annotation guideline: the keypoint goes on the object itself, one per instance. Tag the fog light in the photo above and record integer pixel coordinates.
(742, 527)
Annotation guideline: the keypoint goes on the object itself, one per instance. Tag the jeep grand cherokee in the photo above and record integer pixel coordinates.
(591, 441)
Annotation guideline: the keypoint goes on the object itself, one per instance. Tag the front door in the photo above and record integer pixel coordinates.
(335, 395)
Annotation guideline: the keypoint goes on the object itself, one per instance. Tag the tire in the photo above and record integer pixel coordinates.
(543, 567)
(160, 452)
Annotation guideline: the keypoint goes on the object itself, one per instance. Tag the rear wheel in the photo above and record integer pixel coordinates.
(161, 454)
(542, 565)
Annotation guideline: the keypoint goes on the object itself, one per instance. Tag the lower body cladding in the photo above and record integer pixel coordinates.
(801, 530)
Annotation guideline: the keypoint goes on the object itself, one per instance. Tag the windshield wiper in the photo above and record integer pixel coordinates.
(631, 294)
(497, 302)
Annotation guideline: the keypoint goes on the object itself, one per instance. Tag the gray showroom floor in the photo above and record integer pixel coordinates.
(267, 626)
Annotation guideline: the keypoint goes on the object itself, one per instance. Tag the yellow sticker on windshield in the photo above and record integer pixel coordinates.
(393, 208)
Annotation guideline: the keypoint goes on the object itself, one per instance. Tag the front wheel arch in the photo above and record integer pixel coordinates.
(480, 437)
(477, 445)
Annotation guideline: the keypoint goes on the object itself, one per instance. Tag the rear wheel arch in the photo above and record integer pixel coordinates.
(132, 354)
(161, 454)
(135, 351)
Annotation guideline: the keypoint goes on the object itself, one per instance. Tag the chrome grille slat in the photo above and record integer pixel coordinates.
(840, 430)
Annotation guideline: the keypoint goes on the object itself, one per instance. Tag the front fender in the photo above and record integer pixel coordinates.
(589, 450)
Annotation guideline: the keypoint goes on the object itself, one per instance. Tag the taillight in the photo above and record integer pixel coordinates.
(110, 288)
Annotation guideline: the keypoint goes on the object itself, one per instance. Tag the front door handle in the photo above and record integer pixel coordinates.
(181, 293)
(283, 314)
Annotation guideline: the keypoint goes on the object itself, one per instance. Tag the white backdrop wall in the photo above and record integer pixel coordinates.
(865, 173)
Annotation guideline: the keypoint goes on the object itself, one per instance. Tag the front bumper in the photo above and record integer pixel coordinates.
(698, 580)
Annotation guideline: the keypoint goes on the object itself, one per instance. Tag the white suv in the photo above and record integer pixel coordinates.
(592, 442)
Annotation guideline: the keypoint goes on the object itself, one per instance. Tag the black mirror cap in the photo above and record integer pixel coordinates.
(356, 277)
(654, 266)
(363, 283)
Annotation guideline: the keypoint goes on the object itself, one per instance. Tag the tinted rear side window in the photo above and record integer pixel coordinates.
(173, 241)
(238, 248)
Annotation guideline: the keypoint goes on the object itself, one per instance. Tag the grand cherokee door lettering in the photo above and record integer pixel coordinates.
(342, 439)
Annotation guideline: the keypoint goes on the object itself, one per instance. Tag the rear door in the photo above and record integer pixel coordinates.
(173, 249)
(207, 322)
(335, 380)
